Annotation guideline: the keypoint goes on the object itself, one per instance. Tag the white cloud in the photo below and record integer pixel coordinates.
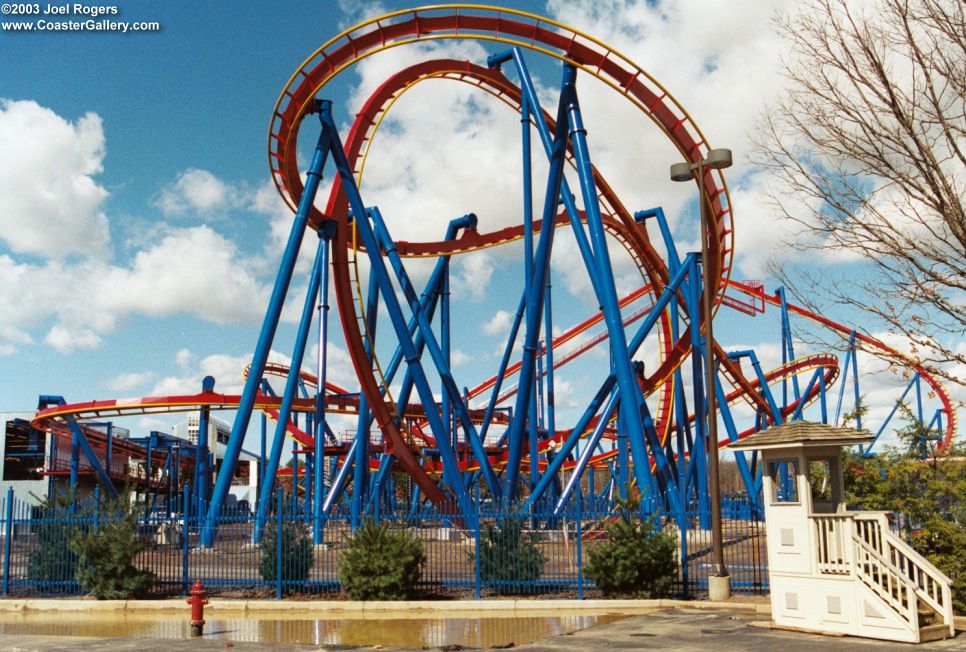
(128, 381)
(50, 204)
(184, 358)
(353, 12)
(472, 275)
(199, 191)
(227, 370)
(459, 358)
(338, 364)
(267, 202)
(11, 337)
(66, 339)
(195, 272)
(499, 323)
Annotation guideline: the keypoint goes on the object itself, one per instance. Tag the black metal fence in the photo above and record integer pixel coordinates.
(37, 559)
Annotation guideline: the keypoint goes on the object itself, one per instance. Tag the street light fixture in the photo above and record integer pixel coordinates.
(718, 581)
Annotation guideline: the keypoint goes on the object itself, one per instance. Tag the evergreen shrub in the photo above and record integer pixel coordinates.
(296, 552)
(381, 563)
(637, 560)
(105, 554)
(53, 562)
(510, 561)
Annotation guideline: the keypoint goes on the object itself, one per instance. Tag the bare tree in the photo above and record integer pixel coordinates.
(867, 150)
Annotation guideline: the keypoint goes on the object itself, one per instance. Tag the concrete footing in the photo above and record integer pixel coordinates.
(719, 587)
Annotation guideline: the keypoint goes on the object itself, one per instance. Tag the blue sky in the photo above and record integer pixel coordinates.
(139, 231)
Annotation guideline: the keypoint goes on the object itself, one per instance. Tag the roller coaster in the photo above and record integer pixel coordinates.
(499, 442)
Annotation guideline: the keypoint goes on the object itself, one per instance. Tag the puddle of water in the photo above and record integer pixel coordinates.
(390, 631)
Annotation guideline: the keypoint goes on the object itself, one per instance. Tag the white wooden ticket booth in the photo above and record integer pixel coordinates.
(832, 570)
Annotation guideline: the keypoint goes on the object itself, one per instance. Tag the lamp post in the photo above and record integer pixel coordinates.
(719, 587)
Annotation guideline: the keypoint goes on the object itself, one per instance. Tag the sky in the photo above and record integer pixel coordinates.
(140, 232)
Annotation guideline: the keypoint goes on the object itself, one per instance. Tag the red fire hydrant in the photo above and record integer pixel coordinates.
(197, 602)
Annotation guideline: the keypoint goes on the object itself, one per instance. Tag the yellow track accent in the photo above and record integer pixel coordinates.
(728, 247)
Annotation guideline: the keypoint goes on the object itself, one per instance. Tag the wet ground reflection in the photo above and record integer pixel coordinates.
(389, 630)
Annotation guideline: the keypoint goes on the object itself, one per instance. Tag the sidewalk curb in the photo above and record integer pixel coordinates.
(372, 607)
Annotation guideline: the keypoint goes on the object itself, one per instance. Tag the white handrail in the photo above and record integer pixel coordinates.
(833, 535)
(929, 583)
(903, 601)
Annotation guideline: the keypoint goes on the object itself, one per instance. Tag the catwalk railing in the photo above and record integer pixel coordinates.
(37, 559)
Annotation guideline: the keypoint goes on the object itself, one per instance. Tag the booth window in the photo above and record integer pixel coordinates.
(820, 479)
(784, 480)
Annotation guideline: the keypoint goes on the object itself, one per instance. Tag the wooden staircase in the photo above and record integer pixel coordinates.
(860, 544)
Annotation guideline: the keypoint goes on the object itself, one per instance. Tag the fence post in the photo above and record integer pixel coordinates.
(7, 539)
(97, 508)
(186, 508)
(684, 528)
(278, 544)
(476, 557)
(580, 551)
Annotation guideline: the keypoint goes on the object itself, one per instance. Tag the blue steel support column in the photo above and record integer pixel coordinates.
(536, 404)
(532, 424)
(327, 232)
(202, 472)
(147, 468)
(588, 452)
(528, 265)
(732, 431)
(892, 412)
(536, 296)
(817, 378)
(551, 421)
(623, 453)
(85, 447)
(762, 384)
(341, 478)
(428, 302)
(288, 397)
(698, 450)
(504, 361)
(856, 397)
(682, 429)
(263, 431)
(429, 339)
(528, 91)
(360, 462)
(631, 398)
(843, 381)
(110, 444)
(788, 349)
(378, 268)
(295, 473)
(449, 427)
(272, 314)
(669, 294)
(78, 439)
(74, 458)
(919, 415)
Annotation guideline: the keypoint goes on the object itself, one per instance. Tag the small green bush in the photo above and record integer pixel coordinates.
(106, 555)
(510, 561)
(55, 526)
(296, 552)
(637, 560)
(381, 563)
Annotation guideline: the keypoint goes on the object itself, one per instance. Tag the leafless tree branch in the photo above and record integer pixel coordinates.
(868, 152)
